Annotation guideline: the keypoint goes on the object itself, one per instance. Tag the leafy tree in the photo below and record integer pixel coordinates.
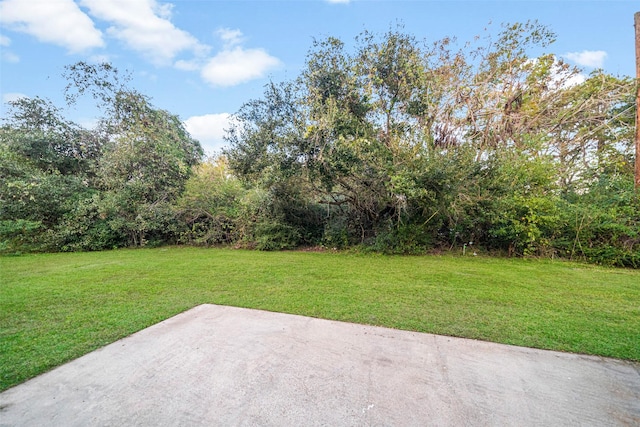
(46, 164)
(145, 167)
(411, 145)
(211, 205)
(146, 161)
(397, 145)
(72, 188)
(36, 130)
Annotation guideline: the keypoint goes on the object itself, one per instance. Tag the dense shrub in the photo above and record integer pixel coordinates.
(602, 225)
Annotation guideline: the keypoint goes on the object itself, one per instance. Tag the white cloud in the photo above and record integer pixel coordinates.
(234, 64)
(574, 80)
(230, 37)
(144, 26)
(164, 10)
(10, 57)
(338, 1)
(209, 129)
(563, 76)
(7, 55)
(187, 65)
(60, 22)
(588, 58)
(12, 96)
(238, 65)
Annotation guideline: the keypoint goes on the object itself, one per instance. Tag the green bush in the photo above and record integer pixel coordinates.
(275, 236)
(19, 235)
(526, 225)
(336, 232)
(602, 225)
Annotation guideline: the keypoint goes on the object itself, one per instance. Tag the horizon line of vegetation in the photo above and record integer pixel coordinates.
(396, 145)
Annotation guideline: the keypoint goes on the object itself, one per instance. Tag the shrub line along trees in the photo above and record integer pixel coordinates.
(396, 145)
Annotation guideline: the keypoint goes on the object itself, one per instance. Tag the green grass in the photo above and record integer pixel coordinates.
(56, 307)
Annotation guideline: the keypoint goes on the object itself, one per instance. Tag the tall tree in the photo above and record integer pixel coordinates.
(148, 156)
(370, 132)
(47, 163)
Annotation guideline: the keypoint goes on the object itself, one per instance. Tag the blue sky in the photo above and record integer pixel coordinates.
(202, 59)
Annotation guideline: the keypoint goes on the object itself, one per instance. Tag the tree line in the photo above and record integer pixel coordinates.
(394, 145)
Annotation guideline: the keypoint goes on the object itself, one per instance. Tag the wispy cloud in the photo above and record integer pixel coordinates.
(7, 55)
(209, 129)
(60, 22)
(99, 58)
(10, 57)
(188, 65)
(588, 58)
(338, 1)
(145, 26)
(230, 37)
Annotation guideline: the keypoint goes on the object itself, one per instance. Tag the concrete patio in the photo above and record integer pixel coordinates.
(216, 365)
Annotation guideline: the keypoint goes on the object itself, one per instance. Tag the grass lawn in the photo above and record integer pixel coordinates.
(56, 307)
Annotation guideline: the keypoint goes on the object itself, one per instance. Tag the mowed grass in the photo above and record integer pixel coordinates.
(56, 307)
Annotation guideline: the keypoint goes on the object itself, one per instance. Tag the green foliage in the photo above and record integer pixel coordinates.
(603, 224)
(526, 226)
(275, 236)
(143, 172)
(395, 145)
(87, 227)
(415, 145)
(211, 205)
(18, 235)
(36, 131)
(33, 201)
(281, 218)
(109, 187)
(336, 232)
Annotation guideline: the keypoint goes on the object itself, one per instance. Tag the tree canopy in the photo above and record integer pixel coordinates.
(66, 187)
(393, 144)
(411, 145)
